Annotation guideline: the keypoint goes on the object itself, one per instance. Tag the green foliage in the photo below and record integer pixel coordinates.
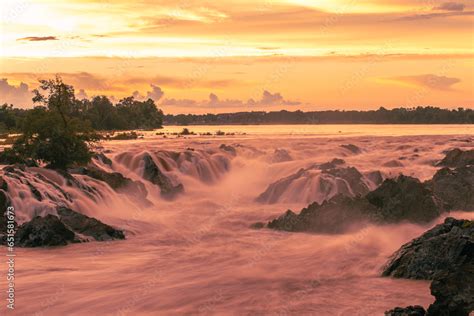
(49, 134)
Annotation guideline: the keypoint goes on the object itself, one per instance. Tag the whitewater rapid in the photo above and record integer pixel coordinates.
(196, 255)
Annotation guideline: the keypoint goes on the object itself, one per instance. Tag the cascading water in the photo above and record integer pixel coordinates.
(195, 253)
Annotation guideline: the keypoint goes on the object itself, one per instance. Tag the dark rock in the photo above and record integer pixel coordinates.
(446, 245)
(458, 158)
(103, 158)
(393, 163)
(352, 148)
(454, 187)
(258, 225)
(88, 226)
(332, 164)
(228, 148)
(375, 177)
(405, 198)
(407, 311)
(339, 214)
(353, 177)
(43, 231)
(454, 291)
(153, 174)
(281, 155)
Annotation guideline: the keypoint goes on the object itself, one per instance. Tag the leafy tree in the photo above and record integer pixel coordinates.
(49, 133)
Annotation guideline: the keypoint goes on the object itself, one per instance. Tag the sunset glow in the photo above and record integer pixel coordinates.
(317, 54)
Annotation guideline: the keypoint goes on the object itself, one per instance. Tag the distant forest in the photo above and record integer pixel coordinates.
(419, 115)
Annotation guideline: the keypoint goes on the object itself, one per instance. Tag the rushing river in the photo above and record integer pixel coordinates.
(196, 255)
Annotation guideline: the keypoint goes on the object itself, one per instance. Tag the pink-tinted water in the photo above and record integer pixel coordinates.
(197, 256)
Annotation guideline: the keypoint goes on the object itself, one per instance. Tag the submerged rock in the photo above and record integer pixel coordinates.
(455, 187)
(352, 148)
(332, 164)
(407, 311)
(153, 174)
(102, 158)
(227, 148)
(458, 158)
(281, 155)
(405, 198)
(88, 226)
(42, 232)
(329, 217)
(445, 246)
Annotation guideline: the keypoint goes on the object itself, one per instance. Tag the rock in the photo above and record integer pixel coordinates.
(227, 148)
(407, 311)
(405, 198)
(454, 187)
(339, 214)
(43, 231)
(281, 155)
(393, 164)
(454, 290)
(88, 226)
(329, 182)
(117, 182)
(446, 245)
(258, 225)
(375, 177)
(103, 159)
(457, 158)
(332, 164)
(153, 174)
(352, 148)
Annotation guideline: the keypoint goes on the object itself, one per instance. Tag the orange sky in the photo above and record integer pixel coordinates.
(229, 55)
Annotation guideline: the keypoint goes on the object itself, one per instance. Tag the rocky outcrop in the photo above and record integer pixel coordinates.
(444, 254)
(336, 215)
(407, 311)
(324, 181)
(396, 200)
(352, 148)
(281, 155)
(457, 158)
(153, 174)
(42, 232)
(446, 245)
(405, 198)
(454, 187)
(454, 291)
(117, 182)
(103, 159)
(227, 148)
(88, 226)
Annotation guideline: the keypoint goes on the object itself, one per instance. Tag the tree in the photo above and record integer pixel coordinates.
(49, 134)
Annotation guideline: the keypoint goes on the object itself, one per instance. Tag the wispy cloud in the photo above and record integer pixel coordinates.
(450, 6)
(38, 38)
(430, 81)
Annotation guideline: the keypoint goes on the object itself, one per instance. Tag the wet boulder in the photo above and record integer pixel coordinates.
(339, 214)
(350, 176)
(281, 155)
(42, 232)
(405, 198)
(447, 245)
(229, 149)
(454, 291)
(407, 311)
(101, 157)
(457, 158)
(336, 162)
(154, 174)
(88, 226)
(454, 187)
(352, 148)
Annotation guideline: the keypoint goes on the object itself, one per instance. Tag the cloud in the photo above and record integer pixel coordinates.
(38, 38)
(450, 6)
(155, 94)
(436, 15)
(430, 81)
(19, 96)
(81, 94)
(268, 99)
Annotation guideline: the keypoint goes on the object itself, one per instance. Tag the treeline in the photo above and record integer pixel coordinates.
(418, 115)
(99, 113)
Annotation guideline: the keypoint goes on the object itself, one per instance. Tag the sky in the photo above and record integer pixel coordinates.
(241, 55)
